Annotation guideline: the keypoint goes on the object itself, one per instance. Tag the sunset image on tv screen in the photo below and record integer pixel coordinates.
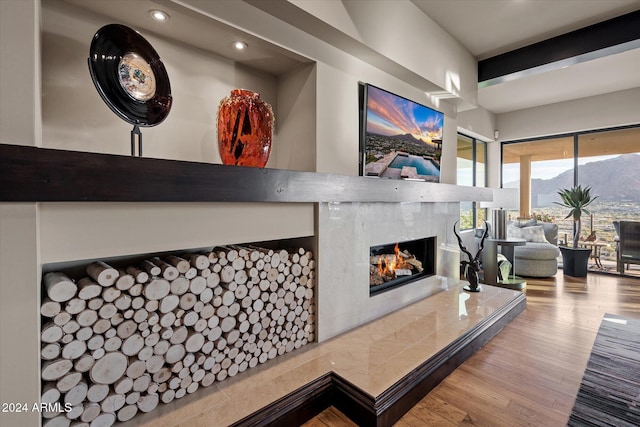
(403, 139)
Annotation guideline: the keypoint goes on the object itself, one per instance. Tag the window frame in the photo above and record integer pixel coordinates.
(474, 173)
(575, 136)
(576, 145)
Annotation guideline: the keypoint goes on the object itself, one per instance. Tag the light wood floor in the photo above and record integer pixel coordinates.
(529, 374)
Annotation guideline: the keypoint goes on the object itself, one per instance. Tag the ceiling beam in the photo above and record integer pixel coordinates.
(623, 31)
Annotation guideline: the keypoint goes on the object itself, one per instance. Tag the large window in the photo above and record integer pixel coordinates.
(472, 154)
(607, 161)
(532, 167)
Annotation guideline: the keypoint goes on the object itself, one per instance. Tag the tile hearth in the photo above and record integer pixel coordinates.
(372, 357)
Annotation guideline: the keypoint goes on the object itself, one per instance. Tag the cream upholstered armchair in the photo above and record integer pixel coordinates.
(627, 243)
(539, 256)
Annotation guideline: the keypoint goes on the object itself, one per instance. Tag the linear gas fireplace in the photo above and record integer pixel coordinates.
(398, 264)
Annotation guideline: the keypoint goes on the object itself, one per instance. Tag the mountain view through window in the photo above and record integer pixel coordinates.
(608, 163)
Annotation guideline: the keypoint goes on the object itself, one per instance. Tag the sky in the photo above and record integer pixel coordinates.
(539, 170)
(388, 114)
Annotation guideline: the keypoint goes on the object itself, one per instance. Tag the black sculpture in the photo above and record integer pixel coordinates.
(472, 267)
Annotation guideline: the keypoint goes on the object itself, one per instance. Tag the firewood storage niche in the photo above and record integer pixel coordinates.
(397, 264)
(120, 336)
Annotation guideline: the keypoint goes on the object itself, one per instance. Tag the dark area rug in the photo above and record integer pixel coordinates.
(609, 394)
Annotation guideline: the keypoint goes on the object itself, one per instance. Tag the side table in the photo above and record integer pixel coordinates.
(595, 251)
(490, 262)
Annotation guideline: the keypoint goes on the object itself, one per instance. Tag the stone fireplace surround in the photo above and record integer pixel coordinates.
(346, 231)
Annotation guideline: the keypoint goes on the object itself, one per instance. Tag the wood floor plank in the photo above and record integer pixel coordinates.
(330, 417)
(530, 373)
(443, 408)
(421, 416)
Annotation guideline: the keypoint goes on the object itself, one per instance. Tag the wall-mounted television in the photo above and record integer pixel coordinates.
(399, 138)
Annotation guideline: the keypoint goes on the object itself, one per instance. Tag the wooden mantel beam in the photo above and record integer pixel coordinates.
(31, 174)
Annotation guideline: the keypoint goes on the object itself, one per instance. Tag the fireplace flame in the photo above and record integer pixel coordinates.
(388, 265)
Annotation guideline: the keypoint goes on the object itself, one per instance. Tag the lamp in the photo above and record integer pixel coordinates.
(503, 199)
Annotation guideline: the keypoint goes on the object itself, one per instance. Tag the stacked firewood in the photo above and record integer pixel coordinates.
(119, 342)
(386, 267)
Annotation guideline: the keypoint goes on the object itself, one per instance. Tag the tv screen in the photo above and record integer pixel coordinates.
(400, 139)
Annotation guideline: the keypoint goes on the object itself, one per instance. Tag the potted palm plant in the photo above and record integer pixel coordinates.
(575, 259)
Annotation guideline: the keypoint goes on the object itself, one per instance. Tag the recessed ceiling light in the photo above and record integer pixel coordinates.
(159, 15)
(239, 45)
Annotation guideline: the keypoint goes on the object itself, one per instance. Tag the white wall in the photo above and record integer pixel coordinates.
(78, 231)
(478, 123)
(296, 123)
(20, 72)
(398, 30)
(596, 112)
(481, 124)
(19, 310)
(19, 237)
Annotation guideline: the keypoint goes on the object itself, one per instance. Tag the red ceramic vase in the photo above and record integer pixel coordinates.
(245, 129)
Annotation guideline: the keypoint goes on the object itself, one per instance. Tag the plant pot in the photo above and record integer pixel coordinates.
(575, 261)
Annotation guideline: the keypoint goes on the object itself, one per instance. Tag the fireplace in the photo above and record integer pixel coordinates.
(397, 264)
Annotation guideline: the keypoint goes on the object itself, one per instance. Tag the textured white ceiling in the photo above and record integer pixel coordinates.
(484, 27)
(491, 27)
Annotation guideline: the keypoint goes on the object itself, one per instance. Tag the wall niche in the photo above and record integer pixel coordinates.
(202, 71)
(124, 335)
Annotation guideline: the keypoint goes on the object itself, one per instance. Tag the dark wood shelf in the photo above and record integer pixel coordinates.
(31, 174)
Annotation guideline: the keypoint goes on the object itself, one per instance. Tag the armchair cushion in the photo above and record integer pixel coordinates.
(533, 233)
(538, 251)
(550, 232)
(524, 222)
(539, 256)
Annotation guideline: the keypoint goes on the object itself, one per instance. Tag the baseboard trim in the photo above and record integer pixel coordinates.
(295, 408)
(365, 410)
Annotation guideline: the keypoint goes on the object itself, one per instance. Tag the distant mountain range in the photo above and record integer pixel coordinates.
(407, 138)
(612, 180)
(377, 145)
